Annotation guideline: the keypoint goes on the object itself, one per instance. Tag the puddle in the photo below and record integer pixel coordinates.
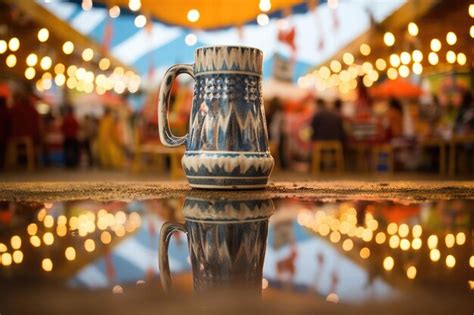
(348, 252)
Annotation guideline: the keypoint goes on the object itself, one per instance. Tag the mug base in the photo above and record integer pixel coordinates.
(227, 182)
(233, 187)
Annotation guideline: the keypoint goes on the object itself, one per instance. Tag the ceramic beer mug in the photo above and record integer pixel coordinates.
(227, 142)
(226, 241)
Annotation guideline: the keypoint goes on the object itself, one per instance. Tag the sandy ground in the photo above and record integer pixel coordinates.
(102, 185)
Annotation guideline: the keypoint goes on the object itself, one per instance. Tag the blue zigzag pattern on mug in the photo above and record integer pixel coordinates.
(228, 105)
(228, 58)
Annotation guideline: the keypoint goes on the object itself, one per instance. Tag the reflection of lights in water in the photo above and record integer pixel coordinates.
(450, 261)
(48, 238)
(120, 217)
(73, 223)
(471, 261)
(432, 241)
(6, 259)
(411, 272)
(367, 235)
(435, 255)
(388, 263)
(335, 237)
(3, 248)
(89, 245)
(364, 253)
(70, 253)
(105, 237)
(323, 229)
(15, 242)
(460, 238)
(416, 243)
(62, 220)
(18, 256)
(405, 244)
(332, 297)
(471, 284)
(119, 230)
(61, 230)
(392, 228)
(394, 241)
(117, 289)
(264, 283)
(449, 240)
(41, 214)
(416, 231)
(48, 221)
(32, 229)
(47, 264)
(373, 225)
(380, 238)
(35, 241)
(348, 244)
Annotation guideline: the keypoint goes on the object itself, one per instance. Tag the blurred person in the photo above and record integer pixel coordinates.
(3, 130)
(24, 120)
(109, 149)
(70, 131)
(88, 133)
(464, 122)
(326, 124)
(276, 130)
(394, 128)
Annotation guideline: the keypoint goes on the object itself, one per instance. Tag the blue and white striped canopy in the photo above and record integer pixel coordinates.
(161, 45)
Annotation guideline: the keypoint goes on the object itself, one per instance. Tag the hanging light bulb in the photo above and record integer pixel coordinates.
(461, 58)
(417, 56)
(46, 62)
(193, 15)
(11, 61)
(405, 58)
(451, 38)
(43, 35)
(451, 56)
(87, 54)
(114, 11)
(263, 19)
(134, 5)
(3, 46)
(394, 60)
(190, 39)
(435, 45)
(348, 58)
(140, 21)
(365, 49)
(32, 60)
(412, 29)
(86, 5)
(14, 44)
(68, 47)
(265, 5)
(433, 58)
(389, 39)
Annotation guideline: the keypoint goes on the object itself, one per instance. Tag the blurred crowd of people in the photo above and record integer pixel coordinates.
(394, 122)
(61, 138)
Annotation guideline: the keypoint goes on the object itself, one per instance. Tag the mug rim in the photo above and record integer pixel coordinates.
(228, 46)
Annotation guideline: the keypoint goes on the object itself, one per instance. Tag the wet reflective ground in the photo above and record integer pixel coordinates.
(286, 255)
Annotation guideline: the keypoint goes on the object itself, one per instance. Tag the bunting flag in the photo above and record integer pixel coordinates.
(109, 266)
(108, 34)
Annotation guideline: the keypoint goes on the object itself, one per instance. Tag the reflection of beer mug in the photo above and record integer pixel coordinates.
(227, 143)
(226, 241)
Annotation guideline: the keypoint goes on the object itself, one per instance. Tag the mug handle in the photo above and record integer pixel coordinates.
(166, 136)
(166, 232)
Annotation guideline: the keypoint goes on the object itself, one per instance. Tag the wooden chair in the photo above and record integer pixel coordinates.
(387, 163)
(158, 153)
(13, 149)
(319, 147)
